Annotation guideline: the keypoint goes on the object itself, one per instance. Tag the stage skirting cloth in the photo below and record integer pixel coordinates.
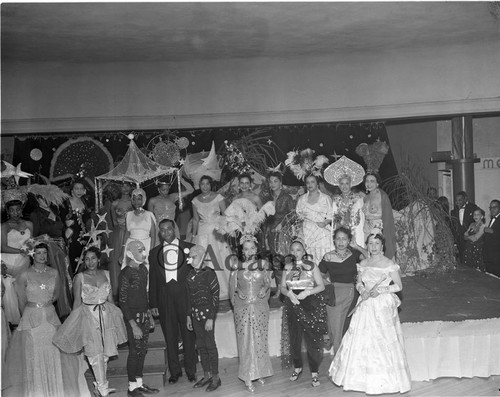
(434, 349)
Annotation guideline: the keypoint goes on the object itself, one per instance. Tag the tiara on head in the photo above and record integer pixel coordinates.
(248, 237)
(297, 239)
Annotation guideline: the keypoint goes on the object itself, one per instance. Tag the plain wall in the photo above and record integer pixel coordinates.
(413, 144)
(51, 97)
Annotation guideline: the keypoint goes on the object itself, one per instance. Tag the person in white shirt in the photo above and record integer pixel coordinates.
(168, 299)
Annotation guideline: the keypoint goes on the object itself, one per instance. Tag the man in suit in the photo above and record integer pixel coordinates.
(461, 217)
(491, 247)
(168, 298)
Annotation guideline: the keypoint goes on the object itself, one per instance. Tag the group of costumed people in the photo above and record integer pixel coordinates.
(338, 279)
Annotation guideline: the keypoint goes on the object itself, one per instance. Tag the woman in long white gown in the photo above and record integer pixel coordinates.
(205, 206)
(315, 209)
(15, 232)
(371, 357)
(140, 224)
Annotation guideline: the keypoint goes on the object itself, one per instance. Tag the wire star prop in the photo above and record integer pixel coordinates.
(107, 250)
(93, 233)
(102, 218)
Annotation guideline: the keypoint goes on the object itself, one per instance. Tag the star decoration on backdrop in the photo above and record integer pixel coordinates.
(107, 250)
(93, 232)
(102, 218)
(43, 286)
(107, 231)
(335, 155)
(269, 141)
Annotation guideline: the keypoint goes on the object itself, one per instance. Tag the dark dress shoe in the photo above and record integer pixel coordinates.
(148, 390)
(192, 378)
(134, 393)
(214, 386)
(202, 383)
(174, 378)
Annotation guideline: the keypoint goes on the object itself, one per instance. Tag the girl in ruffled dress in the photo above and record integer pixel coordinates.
(95, 324)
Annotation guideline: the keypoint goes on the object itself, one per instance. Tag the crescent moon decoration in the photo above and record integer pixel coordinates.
(77, 155)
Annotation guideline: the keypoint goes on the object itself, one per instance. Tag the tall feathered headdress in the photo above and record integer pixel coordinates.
(242, 216)
(51, 193)
(373, 154)
(303, 163)
(14, 194)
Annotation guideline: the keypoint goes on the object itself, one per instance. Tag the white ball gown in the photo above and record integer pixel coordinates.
(372, 358)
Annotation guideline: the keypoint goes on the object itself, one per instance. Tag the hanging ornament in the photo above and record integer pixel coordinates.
(166, 153)
(182, 142)
(36, 154)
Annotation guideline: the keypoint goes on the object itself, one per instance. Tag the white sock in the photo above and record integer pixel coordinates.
(132, 386)
(138, 381)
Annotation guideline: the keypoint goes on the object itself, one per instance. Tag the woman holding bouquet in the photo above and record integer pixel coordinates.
(371, 358)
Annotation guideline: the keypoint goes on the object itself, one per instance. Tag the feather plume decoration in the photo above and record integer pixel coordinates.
(303, 163)
(373, 154)
(242, 216)
(51, 193)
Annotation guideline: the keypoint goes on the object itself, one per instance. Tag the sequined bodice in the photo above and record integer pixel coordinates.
(298, 278)
(40, 291)
(250, 284)
(92, 295)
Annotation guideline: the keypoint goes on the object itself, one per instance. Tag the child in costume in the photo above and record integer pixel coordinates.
(203, 288)
(134, 303)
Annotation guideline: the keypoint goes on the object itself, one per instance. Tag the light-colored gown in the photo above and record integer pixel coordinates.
(96, 326)
(139, 227)
(251, 318)
(207, 235)
(371, 357)
(35, 367)
(16, 264)
(318, 240)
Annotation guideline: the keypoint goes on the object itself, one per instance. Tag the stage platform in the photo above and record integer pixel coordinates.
(450, 321)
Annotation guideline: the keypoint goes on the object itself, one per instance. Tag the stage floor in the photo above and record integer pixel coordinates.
(463, 294)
